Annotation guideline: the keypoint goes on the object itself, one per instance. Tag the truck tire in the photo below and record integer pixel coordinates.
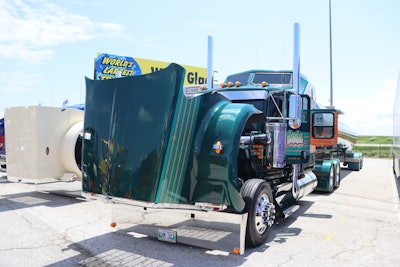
(356, 166)
(331, 180)
(359, 166)
(337, 175)
(257, 195)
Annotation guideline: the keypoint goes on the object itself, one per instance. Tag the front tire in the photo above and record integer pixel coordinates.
(257, 195)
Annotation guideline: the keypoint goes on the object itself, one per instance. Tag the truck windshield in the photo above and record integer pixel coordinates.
(242, 78)
(273, 78)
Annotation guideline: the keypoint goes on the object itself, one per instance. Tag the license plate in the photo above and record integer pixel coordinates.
(167, 235)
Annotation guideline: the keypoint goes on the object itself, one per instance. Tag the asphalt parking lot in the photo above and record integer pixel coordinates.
(356, 225)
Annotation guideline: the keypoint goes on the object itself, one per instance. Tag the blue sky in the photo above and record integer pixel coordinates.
(48, 47)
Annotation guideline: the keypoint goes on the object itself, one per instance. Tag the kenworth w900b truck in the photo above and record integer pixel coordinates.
(233, 150)
(241, 154)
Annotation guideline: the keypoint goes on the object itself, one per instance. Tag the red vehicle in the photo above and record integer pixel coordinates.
(2, 145)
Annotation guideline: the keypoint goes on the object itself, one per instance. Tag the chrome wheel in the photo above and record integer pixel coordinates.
(263, 214)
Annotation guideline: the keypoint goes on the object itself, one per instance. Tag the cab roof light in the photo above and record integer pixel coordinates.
(237, 83)
(230, 84)
(264, 84)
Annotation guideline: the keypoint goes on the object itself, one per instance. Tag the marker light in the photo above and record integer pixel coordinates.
(230, 84)
(202, 88)
(218, 147)
(237, 83)
(210, 206)
(113, 224)
(263, 83)
(223, 85)
(236, 251)
(258, 151)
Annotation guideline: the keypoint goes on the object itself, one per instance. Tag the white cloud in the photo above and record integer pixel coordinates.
(18, 81)
(19, 51)
(29, 29)
(370, 114)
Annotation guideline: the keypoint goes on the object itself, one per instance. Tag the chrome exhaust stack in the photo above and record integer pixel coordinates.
(295, 100)
(308, 182)
(296, 59)
(210, 77)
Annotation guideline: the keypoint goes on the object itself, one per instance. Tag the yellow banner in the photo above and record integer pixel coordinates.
(109, 66)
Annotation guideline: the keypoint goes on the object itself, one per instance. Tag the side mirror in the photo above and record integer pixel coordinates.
(295, 111)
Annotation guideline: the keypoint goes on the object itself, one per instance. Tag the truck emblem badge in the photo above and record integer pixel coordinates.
(218, 147)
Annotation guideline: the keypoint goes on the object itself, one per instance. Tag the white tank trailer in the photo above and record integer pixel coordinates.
(44, 144)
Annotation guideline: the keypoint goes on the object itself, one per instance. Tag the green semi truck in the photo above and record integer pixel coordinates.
(242, 153)
(234, 149)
